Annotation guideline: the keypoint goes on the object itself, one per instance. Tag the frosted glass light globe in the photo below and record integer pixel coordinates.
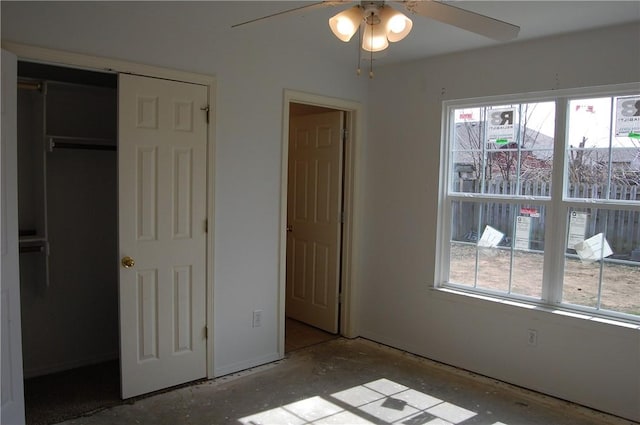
(397, 24)
(345, 26)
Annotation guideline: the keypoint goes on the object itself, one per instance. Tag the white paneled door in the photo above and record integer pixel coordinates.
(313, 219)
(11, 392)
(162, 226)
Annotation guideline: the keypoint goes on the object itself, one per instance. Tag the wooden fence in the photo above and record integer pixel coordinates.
(621, 228)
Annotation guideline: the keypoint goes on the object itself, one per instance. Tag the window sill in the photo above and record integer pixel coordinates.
(561, 311)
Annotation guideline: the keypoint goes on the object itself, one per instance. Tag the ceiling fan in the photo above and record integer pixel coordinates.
(381, 23)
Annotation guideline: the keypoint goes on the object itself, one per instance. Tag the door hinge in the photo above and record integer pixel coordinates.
(342, 217)
(340, 298)
(206, 225)
(206, 110)
(206, 332)
(345, 134)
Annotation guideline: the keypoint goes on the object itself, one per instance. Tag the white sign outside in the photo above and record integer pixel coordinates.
(628, 117)
(577, 228)
(523, 232)
(501, 128)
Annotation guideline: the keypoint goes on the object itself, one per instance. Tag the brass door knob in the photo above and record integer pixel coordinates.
(128, 262)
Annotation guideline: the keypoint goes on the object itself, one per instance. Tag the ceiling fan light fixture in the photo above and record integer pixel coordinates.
(345, 24)
(374, 38)
(397, 25)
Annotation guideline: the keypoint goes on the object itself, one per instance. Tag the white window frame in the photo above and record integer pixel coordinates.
(557, 206)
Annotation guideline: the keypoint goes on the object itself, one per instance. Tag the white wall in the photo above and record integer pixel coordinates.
(252, 68)
(591, 363)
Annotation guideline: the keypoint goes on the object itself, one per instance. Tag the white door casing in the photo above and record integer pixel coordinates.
(313, 219)
(162, 163)
(11, 392)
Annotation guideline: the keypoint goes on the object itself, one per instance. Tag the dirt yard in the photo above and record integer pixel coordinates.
(620, 283)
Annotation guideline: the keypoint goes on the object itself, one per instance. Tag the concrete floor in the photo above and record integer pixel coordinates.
(299, 335)
(56, 397)
(349, 382)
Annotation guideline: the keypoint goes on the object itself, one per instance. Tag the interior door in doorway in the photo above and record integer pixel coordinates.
(162, 229)
(11, 393)
(314, 219)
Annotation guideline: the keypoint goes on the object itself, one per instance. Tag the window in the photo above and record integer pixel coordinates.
(542, 200)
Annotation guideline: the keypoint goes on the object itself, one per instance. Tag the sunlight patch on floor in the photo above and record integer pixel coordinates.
(378, 400)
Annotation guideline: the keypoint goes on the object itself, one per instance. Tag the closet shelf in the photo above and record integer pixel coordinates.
(32, 239)
(90, 143)
(33, 244)
(32, 248)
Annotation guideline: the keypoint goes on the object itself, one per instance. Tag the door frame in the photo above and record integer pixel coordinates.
(102, 64)
(12, 403)
(347, 311)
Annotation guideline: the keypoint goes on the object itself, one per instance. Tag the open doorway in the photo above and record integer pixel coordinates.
(68, 240)
(315, 188)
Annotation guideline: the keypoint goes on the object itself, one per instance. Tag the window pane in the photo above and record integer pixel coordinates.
(580, 282)
(625, 148)
(589, 138)
(599, 163)
(527, 273)
(467, 150)
(505, 150)
(462, 269)
(620, 287)
(498, 247)
(494, 269)
(528, 245)
(602, 267)
(538, 129)
(464, 237)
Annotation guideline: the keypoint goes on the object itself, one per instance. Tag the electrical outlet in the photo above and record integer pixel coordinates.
(532, 337)
(257, 318)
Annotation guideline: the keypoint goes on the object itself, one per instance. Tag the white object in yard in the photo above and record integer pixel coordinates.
(593, 249)
(490, 238)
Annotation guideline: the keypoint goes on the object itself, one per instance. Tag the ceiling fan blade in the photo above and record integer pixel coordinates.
(465, 19)
(311, 6)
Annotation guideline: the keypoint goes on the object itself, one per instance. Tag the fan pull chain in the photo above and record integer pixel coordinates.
(371, 51)
(359, 46)
(371, 67)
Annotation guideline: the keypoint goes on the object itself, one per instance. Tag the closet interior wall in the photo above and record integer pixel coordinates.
(67, 191)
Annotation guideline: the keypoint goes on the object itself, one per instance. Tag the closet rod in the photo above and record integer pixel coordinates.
(26, 249)
(76, 143)
(29, 85)
(81, 85)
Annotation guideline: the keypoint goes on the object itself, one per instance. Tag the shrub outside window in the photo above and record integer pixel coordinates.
(542, 199)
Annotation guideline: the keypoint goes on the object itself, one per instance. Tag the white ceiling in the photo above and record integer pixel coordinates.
(158, 27)
(428, 37)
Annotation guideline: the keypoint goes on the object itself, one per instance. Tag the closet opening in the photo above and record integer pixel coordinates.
(68, 232)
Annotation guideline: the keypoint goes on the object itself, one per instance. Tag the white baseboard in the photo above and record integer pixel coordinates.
(237, 367)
